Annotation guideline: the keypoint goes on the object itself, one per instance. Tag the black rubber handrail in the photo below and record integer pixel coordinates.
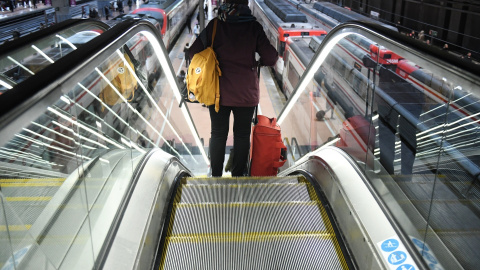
(27, 93)
(417, 45)
(13, 45)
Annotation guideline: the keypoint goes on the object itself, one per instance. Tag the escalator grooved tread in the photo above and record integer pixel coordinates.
(241, 218)
(257, 236)
(244, 193)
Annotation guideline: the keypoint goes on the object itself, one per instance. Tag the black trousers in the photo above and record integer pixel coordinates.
(242, 126)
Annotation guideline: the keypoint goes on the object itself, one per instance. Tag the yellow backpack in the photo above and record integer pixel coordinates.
(123, 80)
(203, 76)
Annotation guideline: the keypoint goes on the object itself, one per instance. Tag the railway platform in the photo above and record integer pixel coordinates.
(5, 15)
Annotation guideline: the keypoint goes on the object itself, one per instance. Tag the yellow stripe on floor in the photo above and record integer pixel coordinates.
(31, 185)
(32, 180)
(27, 199)
(3, 228)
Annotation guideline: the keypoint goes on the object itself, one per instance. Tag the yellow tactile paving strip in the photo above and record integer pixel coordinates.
(39, 182)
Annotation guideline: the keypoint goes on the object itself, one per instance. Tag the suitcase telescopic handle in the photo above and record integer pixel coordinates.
(255, 117)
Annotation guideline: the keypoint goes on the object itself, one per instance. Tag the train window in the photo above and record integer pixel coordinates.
(293, 76)
(356, 83)
(330, 59)
(340, 67)
(350, 76)
(281, 50)
(273, 39)
(287, 53)
(387, 56)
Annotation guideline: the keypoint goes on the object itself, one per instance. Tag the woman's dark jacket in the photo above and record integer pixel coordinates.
(235, 45)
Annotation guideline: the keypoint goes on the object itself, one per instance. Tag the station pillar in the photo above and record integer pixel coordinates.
(62, 9)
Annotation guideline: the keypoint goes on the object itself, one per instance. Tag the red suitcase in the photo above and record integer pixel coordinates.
(357, 132)
(266, 150)
(357, 137)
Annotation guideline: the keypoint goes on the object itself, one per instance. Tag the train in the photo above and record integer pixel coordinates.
(280, 22)
(329, 15)
(365, 53)
(168, 16)
(350, 77)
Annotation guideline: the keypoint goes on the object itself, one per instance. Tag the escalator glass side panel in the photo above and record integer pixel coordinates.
(73, 162)
(410, 119)
(35, 54)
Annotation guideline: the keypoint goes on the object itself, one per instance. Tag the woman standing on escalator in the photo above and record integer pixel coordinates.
(238, 37)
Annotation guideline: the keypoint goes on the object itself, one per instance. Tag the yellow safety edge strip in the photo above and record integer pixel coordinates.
(245, 185)
(241, 178)
(32, 180)
(27, 199)
(31, 185)
(244, 204)
(247, 237)
(328, 225)
(176, 201)
(16, 228)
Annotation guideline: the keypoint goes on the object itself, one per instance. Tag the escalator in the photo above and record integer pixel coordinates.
(250, 223)
(134, 195)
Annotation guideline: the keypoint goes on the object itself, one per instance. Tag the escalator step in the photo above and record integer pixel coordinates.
(242, 180)
(282, 217)
(311, 251)
(244, 193)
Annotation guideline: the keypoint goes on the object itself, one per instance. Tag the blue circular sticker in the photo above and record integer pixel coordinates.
(397, 257)
(420, 244)
(406, 267)
(389, 245)
(430, 258)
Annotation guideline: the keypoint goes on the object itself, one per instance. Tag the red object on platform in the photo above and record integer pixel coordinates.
(266, 150)
(357, 132)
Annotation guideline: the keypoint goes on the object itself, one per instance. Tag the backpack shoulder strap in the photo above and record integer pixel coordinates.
(214, 30)
(203, 38)
(203, 35)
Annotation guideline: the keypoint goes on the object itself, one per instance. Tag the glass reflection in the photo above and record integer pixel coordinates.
(71, 167)
(24, 62)
(407, 120)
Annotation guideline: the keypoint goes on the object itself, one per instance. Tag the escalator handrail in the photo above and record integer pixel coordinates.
(455, 64)
(22, 104)
(351, 163)
(14, 45)
(444, 59)
(428, 51)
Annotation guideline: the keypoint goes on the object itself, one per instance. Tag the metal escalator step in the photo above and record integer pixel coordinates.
(281, 217)
(244, 193)
(242, 180)
(311, 251)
